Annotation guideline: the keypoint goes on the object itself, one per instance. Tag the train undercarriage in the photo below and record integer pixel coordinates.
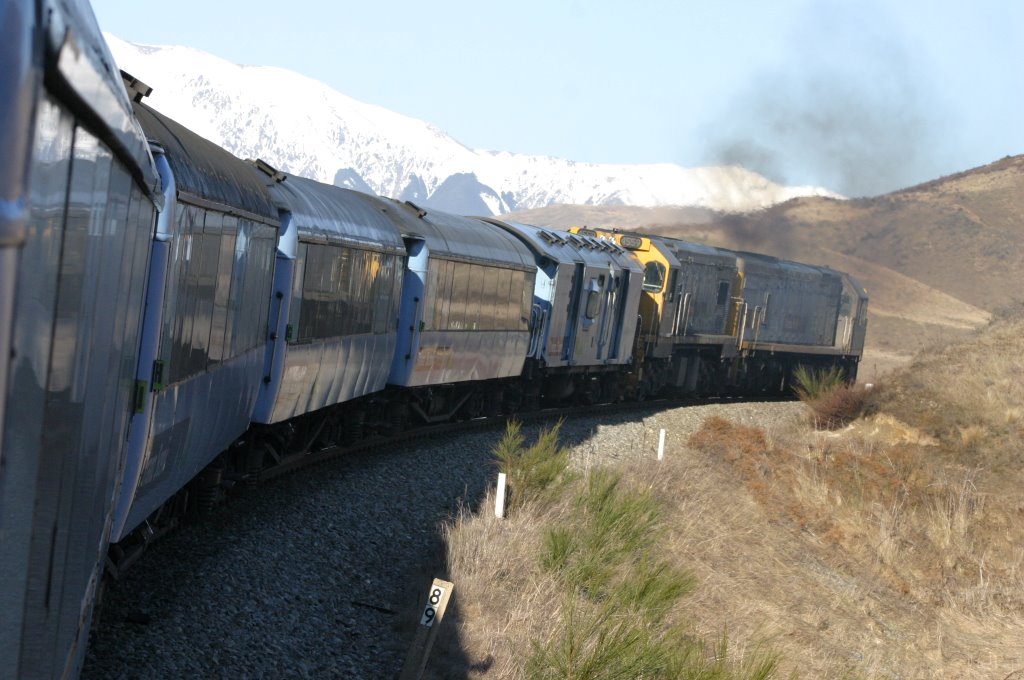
(699, 372)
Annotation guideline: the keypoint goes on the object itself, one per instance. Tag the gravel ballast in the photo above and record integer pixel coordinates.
(319, 574)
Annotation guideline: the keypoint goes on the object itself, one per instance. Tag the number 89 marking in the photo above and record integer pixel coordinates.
(430, 611)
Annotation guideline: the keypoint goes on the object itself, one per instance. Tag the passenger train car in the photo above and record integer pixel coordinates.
(175, 320)
(77, 211)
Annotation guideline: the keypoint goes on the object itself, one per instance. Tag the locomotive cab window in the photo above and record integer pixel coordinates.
(723, 292)
(654, 277)
(844, 305)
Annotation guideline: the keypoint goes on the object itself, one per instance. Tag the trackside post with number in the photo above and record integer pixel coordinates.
(426, 632)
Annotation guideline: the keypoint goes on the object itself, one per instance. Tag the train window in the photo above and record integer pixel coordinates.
(355, 317)
(507, 310)
(473, 301)
(219, 281)
(513, 300)
(380, 291)
(344, 313)
(295, 308)
(491, 306)
(222, 290)
(430, 296)
(457, 319)
(207, 257)
(178, 312)
(723, 292)
(311, 284)
(593, 300)
(654, 277)
(237, 289)
(480, 295)
(524, 284)
(440, 282)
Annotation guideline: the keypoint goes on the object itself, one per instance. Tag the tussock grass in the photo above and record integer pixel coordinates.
(811, 383)
(832, 400)
(916, 508)
(890, 547)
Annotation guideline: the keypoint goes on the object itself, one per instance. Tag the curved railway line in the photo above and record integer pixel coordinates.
(123, 555)
(319, 574)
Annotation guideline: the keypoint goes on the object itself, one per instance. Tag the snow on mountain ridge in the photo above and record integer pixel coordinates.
(304, 127)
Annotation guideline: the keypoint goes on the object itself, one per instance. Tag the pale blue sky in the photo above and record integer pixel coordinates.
(861, 97)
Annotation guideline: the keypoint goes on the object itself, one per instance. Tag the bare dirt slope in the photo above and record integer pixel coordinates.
(937, 258)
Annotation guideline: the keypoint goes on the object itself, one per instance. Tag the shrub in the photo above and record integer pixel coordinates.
(810, 383)
(617, 592)
(838, 407)
(832, 400)
(535, 471)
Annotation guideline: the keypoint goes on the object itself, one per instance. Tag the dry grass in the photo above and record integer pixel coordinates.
(892, 547)
(581, 586)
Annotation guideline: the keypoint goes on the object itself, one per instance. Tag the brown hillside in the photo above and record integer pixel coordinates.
(936, 258)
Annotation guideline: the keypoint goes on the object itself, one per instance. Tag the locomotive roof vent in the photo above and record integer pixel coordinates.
(135, 87)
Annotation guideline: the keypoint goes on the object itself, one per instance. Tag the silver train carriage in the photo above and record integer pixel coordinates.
(464, 318)
(337, 288)
(77, 209)
(204, 342)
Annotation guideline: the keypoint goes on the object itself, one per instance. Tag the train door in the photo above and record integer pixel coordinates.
(410, 310)
(572, 317)
(622, 295)
(607, 297)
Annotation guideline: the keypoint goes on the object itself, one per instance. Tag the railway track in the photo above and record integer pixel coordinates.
(318, 573)
(124, 555)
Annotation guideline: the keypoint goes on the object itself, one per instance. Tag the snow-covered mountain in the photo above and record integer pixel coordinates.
(303, 127)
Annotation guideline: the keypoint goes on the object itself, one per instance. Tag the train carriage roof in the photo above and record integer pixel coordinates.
(329, 214)
(769, 263)
(204, 171)
(461, 238)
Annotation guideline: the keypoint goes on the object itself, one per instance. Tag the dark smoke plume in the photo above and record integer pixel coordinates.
(851, 111)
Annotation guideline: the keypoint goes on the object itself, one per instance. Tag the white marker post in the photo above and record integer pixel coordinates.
(661, 445)
(499, 496)
(430, 621)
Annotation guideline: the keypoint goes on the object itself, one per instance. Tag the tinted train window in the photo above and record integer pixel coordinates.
(463, 296)
(218, 290)
(344, 291)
